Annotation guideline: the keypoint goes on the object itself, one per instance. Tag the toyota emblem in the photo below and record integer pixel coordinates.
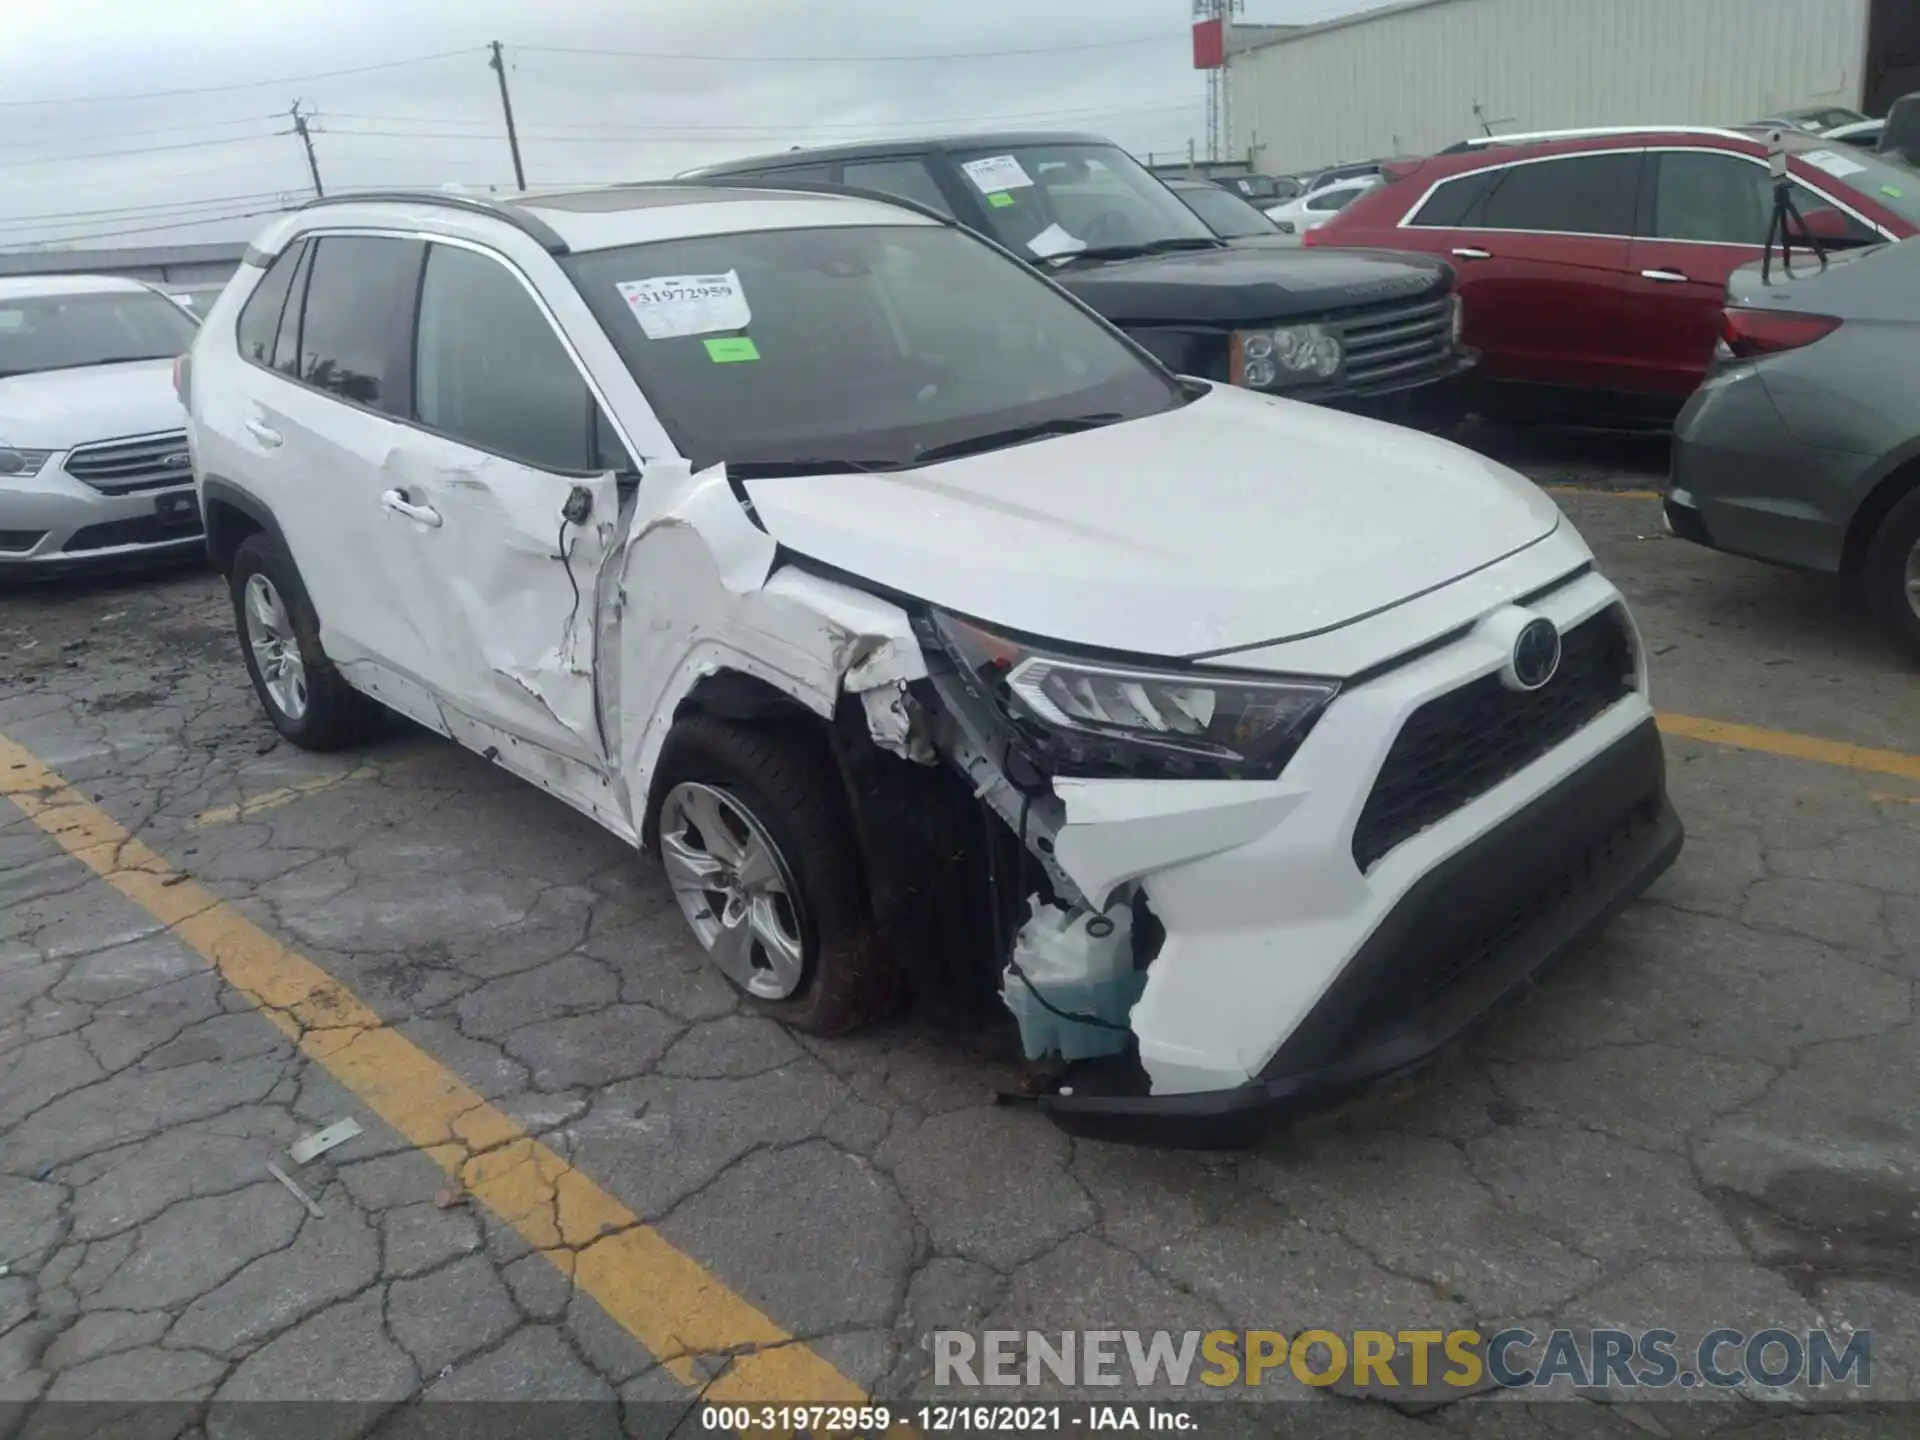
(177, 460)
(1536, 654)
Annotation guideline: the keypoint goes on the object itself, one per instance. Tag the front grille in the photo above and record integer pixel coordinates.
(123, 467)
(1456, 748)
(1399, 344)
(143, 530)
(18, 542)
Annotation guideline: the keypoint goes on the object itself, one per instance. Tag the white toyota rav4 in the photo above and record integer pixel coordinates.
(913, 617)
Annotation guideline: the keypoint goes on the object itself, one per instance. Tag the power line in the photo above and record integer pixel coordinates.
(145, 150)
(1159, 39)
(776, 130)
(242, 85)
(146, 129)
(128, 212)
(147, 229)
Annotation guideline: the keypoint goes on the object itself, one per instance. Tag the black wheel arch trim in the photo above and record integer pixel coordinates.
(215, 491)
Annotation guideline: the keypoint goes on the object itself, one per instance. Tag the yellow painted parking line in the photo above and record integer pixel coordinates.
(665, 1299)
(273, 799)
(1596, 490)
(1795, 747)
(1887, 797)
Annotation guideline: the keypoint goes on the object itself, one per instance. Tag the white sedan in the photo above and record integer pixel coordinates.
(1317, 207)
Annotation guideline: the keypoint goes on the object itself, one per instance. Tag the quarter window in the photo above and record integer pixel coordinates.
(353, 331)
(1718, 199)
(1580, 195)
(1456, 201)
(260, 316)
(286, 346)
(490, 372)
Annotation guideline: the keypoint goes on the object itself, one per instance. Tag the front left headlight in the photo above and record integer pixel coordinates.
(1289, 355)
(1080, 716)
(22, 462)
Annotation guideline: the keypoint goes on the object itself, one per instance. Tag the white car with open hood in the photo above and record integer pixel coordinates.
(932, 634)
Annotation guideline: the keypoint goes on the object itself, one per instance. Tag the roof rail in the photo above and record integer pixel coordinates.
(531, 225)
(1592, 132)
(809, 187)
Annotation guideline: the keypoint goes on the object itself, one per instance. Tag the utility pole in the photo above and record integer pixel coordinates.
(306, 139)
(506, 104)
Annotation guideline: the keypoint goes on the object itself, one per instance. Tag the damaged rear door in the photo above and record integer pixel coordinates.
(500, 507)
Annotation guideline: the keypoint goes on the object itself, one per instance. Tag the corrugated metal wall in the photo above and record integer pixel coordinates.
(1406, 83)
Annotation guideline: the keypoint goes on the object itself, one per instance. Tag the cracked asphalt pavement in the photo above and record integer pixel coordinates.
(1706, 1118)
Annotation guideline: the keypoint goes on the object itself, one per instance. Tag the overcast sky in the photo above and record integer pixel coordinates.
(623, 89)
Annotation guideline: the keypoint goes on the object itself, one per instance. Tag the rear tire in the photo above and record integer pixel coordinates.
(305, 696)
(1890, 578)
(779, 799)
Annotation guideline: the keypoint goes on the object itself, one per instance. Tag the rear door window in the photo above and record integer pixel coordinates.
(260, 316)
(1577, 195)
(354, 330)
(909, 178)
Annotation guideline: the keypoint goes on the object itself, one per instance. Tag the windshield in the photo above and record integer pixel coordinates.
(1894, 187)
(863, 347)
(1227, 215)
(1058, 200)
(60, 332)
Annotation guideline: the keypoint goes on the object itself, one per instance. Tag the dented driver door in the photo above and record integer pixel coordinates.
(499, 508)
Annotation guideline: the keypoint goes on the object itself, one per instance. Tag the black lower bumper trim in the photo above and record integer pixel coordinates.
(1465, 938)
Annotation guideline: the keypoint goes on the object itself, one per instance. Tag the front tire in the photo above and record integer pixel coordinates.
(753, 832)
(306, 698)
(1890, 578)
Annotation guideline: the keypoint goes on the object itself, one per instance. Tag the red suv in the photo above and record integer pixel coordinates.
(1598, 260)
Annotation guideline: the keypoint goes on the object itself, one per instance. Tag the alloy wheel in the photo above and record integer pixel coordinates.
(276, 651)
(1913, 578)
(735, 889)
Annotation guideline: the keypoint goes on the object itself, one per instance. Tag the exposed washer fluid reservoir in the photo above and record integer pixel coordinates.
(1082, 962)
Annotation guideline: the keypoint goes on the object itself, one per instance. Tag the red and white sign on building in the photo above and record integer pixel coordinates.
(1209, 44)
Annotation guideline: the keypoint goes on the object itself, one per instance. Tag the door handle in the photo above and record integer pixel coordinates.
(264, 433)
(1467, 252)
(396, 501)
(1665, 277)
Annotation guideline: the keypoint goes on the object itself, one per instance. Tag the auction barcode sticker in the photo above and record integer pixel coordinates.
(997, 173)
(671, 306)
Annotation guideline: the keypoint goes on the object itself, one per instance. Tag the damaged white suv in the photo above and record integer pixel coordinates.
(919, 620)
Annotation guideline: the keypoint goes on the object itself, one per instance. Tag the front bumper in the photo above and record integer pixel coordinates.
(51, 523)
(1466, 936)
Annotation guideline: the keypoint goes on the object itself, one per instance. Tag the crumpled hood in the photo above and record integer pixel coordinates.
(1243, 284)
(1235, 521)
(58, 409)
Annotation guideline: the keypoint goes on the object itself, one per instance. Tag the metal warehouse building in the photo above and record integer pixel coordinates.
(1416, 77)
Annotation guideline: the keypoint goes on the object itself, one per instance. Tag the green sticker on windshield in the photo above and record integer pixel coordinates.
(1000, 200)
(1894, 190)
(732, 349)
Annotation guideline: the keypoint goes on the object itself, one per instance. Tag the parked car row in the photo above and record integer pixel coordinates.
(1375, 332)
(1618, 273)
(1593, 265)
